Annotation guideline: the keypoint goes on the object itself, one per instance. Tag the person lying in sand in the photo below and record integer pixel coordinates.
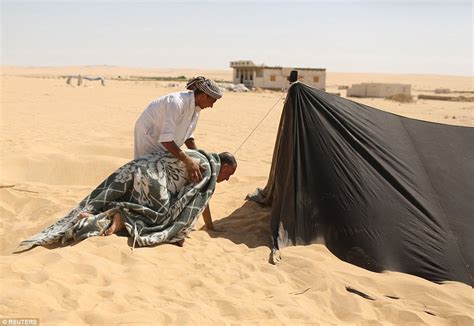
(150, 197)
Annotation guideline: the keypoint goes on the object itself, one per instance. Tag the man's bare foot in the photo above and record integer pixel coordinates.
(84, 214)
(117, 225)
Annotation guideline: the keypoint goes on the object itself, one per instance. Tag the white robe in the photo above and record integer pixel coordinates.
(168, 118)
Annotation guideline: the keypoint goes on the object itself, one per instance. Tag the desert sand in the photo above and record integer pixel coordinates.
(59, 141)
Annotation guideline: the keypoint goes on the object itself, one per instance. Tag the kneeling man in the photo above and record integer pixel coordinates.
(150, 197)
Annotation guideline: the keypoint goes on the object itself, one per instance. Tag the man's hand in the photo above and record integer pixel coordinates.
(212, 229)
(218, 230)
(194, 170)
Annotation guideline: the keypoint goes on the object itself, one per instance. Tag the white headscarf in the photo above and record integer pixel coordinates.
(205, 85)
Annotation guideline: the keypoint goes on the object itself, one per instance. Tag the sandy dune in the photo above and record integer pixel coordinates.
(59, 141)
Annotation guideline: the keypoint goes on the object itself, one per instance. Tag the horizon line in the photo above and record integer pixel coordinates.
(226, 69)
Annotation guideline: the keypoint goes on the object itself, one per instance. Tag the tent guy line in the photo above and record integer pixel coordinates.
(259, 123)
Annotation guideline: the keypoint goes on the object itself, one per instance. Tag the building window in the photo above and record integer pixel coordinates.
(273, 78)
(316, 79)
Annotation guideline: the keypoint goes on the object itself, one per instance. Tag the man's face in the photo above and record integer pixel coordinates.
(205, 101)
(226, 172)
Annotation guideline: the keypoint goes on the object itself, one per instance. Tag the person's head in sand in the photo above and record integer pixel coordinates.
(228, 166)
(206, 91)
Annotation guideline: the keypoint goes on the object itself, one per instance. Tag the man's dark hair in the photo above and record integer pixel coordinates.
(227, 158)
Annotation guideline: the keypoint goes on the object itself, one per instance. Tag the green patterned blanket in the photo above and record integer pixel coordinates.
(151, 193)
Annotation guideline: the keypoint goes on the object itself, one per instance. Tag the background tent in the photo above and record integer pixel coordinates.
(382, 191)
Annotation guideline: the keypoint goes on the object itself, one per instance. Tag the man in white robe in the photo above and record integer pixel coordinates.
(169, 122)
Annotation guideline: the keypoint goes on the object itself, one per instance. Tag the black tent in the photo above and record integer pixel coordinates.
(382, 191)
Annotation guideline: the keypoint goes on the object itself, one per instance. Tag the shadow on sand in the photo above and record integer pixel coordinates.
(249, 225)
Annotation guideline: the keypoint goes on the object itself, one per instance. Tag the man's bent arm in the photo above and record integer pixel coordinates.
(194, 169)
(206, 214)
(190, 143)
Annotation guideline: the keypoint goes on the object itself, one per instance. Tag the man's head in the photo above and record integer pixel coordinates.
(228, 166)
(206, 91)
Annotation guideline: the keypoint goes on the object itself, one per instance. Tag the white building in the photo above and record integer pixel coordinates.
(252, 75)
(378, 90)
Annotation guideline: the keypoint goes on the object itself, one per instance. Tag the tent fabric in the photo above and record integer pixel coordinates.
(382, 191)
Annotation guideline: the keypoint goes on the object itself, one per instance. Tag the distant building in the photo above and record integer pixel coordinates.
(378, 90)
(252, 75)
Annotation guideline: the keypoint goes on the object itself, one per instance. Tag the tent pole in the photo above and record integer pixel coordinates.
(293, 76)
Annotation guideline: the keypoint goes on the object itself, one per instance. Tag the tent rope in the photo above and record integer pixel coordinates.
(260, 122)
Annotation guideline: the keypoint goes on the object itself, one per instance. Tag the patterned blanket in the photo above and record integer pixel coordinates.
(151, 193)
